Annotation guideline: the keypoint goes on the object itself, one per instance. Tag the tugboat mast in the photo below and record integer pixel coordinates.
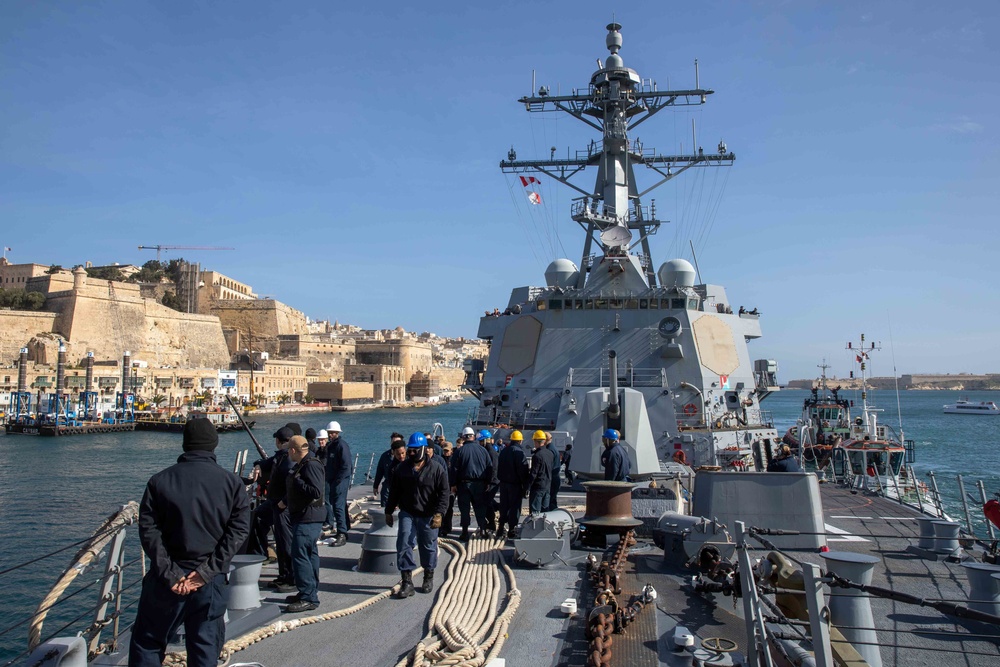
(616, 101)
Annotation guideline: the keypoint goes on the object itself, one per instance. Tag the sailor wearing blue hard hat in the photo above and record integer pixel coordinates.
(420, 491)
(614, 458)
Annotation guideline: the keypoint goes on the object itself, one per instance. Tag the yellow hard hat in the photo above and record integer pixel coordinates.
(538, 435)
(516, 436)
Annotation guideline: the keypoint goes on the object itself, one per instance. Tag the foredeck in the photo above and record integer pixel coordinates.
(540, 634)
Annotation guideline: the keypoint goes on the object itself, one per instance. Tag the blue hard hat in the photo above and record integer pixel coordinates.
(418, 439)
(484, 434)
(611, 434)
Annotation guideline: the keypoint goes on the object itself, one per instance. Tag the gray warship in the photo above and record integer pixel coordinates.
(615, 341)
(710, 562)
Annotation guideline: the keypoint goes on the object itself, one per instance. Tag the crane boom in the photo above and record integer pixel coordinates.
(159, 248)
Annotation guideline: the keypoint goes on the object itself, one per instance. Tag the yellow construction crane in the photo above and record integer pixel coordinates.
(159, 248)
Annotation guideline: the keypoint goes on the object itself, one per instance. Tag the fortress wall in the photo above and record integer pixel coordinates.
(17, 327)
(266, 318)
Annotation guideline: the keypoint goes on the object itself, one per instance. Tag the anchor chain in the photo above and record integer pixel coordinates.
(608, 617)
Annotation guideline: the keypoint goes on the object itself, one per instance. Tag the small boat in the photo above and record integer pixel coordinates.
(964, 407)
(825, 422)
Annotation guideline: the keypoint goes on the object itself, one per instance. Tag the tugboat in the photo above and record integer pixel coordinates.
(615, 341)
(825, 423)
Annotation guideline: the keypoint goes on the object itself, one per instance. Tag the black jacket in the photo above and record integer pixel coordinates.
(784, 464)
(338, 460)
(543, 465)
(305, 491)
(194, 516)
(512, 467)
(279, 476)
(382, 468)
(422, 493)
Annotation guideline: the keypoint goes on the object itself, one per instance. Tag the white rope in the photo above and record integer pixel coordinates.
(466, 626)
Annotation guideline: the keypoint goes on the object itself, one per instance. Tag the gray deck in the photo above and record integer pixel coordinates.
(541, 635)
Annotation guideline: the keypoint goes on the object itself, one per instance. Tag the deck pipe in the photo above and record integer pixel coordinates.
(984, 586)
(851, 609)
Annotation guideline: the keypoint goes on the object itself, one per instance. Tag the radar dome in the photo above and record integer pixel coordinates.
(561, 273)
(676, 273)
(614, 61)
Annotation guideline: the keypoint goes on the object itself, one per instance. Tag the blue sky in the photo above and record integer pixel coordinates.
(350, 155)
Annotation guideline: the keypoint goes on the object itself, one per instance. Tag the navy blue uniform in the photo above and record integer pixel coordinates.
(472, 469)
(784, 464)
(512, 473)
(419, 495)
(616, 463)
(194, 517)
(307, 512)
(556, 480)
(338, 476)
(543, 465)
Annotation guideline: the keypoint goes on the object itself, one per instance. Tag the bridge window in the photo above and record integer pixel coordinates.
(541, 305)
(643, 304)
(588, 304)
(692, 304)
(631, 304)
(677, 304)
(578, 304)
(600, 304)
(555, 304)
(616, 303)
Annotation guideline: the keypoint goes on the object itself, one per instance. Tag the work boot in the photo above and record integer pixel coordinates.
(464, 537)
(428, 584)
(339, 541)
(406, 586)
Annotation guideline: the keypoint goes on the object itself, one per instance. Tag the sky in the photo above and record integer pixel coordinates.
(350, 155)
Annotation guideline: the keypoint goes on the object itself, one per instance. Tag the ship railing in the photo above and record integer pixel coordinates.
(101, 565)
(769, 625)
(627, 377)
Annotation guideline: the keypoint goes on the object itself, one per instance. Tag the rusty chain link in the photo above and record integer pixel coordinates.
(607, 616)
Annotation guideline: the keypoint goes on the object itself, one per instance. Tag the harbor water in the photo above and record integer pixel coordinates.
(56, 491)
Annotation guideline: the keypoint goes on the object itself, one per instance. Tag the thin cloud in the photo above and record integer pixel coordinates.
(961, 125)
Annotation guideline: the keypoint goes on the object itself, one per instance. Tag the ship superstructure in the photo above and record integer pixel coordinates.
(614, 341)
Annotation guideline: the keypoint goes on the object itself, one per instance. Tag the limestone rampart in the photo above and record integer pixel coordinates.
(17, 327)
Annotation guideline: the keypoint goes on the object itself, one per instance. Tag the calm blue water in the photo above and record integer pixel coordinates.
(57, 491)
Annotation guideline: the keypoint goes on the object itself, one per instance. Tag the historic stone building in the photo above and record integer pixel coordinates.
(414, 356)
(324, 355)
(389, 381)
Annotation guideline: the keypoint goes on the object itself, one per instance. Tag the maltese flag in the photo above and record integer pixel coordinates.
(527, 180)
(534, 198)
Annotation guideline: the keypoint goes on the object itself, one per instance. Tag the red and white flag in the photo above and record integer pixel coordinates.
(534, 198)
(526, 180)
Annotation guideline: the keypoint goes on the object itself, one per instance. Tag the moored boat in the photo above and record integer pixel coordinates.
(965, 407)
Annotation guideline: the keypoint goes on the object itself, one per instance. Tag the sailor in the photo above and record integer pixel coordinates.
(614, 458)
(338, 479)
(386, 462)
(472, 469)
(420, 490)
(784, 462)
(278, 470)
(296, 428)
(193, 518)
(556, 478)
(492, 484)
(567, 456)
(543, 465)
(310, 436)
(321, 439)
(512, 472)
(306, 511)
(447, 448)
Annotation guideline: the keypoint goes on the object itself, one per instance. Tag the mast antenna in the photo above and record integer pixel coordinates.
(694, 256)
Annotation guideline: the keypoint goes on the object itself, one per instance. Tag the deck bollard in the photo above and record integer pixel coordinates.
(850, 609)
(242, 592)
(926, 540)
(984, 586)
(946, 537)
(378, 546)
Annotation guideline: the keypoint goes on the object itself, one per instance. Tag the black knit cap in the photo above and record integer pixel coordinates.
(200, 434)
(283, 434)
(310, 434)
(296, 429)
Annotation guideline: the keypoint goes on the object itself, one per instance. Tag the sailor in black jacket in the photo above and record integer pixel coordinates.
(304, 496)
(419, 489)
(193, 518)
(543, 464)
(512, 472)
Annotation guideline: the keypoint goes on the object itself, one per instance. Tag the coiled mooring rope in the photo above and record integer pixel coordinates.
(465, 629)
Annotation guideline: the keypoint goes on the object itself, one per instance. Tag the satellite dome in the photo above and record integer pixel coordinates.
(676, 273)
(561, 273)
(614, 61)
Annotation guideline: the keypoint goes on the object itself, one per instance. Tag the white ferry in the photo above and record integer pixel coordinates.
(963, 407)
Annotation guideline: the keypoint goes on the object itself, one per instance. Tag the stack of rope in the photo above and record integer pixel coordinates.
(467, 627)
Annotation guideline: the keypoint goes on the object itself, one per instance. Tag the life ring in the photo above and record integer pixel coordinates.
(680, 457)
(690, 409)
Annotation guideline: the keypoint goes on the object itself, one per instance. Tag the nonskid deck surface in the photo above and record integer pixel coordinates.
(908, 634)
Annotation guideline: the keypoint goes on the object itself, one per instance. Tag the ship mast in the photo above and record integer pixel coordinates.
(616, 101)
(869, 422)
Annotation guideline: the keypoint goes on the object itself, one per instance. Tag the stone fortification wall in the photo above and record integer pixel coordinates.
(18, 327)
(266, 318)
(91, 319)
